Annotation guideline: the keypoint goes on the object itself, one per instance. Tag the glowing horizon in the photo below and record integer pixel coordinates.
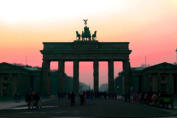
(150, 27)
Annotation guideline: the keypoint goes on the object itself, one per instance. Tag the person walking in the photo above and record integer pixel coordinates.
(82, 98)
(36, 100)
(72, 99)
(28, 99)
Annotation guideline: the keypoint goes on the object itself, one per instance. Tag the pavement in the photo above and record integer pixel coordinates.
(52, 108)
(10, 104)
(175, 103)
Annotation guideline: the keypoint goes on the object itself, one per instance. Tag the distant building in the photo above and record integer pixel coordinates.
(104, 88)
(18, 79)
(54, 83)
(158, 78)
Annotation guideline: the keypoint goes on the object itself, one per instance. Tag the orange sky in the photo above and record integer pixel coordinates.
(149, 25)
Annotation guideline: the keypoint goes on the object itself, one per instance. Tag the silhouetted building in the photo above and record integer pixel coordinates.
(104, 88)
(68, 83)
(54, 82)
(157, 78)
(18, 79)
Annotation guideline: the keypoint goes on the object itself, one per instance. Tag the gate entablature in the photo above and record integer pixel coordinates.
(86, 50)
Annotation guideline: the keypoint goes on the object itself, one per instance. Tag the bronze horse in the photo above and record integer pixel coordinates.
(78, 35)
(94, 35)
(86, 34)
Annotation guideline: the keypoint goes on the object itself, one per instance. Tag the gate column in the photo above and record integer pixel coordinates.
(61, 68)
(76, 77)
(110, 76)
(96, 76)
(127, 81)
(45, 79)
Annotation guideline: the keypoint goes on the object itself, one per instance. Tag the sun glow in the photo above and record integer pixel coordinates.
(13, 11)
(146, 24)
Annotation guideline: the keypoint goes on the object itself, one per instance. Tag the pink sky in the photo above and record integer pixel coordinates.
(149, 25)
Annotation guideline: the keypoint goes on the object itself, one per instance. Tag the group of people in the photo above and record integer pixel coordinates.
(150, 98)
(84, 96)
(72, 97)
(33, 100)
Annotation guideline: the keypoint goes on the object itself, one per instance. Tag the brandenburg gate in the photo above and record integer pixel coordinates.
(84, 48)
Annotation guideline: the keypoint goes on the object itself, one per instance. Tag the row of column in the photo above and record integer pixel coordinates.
(111, 86)
(169, 82)
(155, 79)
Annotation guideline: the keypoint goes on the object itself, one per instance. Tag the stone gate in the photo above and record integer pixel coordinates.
(85, 49)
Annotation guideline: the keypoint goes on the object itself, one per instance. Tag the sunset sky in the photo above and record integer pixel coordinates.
(149, 25)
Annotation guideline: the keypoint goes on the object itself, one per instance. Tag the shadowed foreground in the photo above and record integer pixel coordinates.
(96, 108)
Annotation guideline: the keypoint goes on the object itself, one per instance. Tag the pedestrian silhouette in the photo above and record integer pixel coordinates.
(72, 99)
(82, 98)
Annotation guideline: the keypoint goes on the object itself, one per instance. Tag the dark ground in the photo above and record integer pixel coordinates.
(96, 108)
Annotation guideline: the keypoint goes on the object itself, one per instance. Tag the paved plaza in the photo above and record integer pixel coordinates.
(52, 108)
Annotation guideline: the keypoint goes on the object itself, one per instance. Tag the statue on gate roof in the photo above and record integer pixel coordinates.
(86, 35)
(94, 35)
(78, 36)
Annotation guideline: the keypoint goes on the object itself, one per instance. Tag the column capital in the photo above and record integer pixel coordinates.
(61, 60)
(46, 60)
(96, 60)
(126, 60)
(75, 60)
(110, 60)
